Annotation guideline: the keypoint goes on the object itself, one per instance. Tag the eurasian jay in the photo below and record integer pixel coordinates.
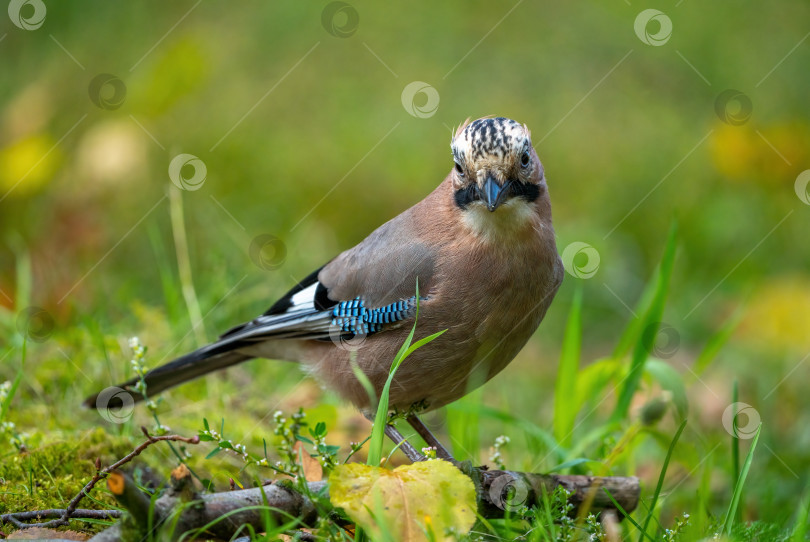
(483, 250)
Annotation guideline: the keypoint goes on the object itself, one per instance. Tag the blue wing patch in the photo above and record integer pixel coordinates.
(353, 317)
(307, 312)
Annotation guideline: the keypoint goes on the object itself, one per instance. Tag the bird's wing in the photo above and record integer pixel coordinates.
(362, 291)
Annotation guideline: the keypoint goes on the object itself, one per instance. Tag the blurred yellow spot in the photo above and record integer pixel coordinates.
(734, 151)
(791, 147)
(26, 165)
(778, 317)
(766, 155)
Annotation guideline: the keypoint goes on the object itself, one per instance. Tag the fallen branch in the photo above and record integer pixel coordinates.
(18, 519)
(63, 517)
(223, 514)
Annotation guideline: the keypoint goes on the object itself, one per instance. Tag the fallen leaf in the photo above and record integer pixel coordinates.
(38, 533)
(313, 471)
(411, 503)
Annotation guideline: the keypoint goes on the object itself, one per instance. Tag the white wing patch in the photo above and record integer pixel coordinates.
(305, 299)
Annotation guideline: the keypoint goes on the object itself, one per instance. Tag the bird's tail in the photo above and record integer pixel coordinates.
(195, 364)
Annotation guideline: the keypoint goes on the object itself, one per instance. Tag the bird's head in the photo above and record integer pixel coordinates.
(497, 176)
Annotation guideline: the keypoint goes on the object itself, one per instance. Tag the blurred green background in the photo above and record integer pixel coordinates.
(296, 110)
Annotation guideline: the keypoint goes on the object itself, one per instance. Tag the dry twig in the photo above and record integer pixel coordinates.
(63, 516)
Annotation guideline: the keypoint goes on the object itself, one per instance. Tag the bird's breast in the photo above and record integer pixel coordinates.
(489, 298)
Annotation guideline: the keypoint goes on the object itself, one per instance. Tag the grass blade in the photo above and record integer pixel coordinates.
(660, 484)
(178, 222)
(565, 396)
(5, 407)
(633, 329)
(717, 341)
(735, 498)
(381, 417)
(650, 320)
(363, 379)
(800, 529)
(420, 343)
(735, 439)
(626, 515)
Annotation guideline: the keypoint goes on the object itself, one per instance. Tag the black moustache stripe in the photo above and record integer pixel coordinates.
(528, 191)
(465, 196)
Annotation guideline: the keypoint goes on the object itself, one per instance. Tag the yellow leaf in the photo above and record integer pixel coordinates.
(411, 503)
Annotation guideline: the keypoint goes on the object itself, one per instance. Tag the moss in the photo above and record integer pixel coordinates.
(50, 475)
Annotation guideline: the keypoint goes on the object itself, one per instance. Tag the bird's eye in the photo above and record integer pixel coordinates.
(525, 159)
(459, 169)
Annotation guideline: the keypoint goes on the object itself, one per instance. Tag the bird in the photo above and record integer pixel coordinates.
(480, 247)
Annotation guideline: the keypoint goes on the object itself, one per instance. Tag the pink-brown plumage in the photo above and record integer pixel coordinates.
(482, 247)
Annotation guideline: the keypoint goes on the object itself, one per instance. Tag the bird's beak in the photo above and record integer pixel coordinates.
(492, 193)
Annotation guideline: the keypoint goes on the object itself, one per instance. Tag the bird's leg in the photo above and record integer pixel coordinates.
(396, 437)
(407, 448)
(427, 436)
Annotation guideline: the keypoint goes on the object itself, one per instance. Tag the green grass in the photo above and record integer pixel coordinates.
(618, 125)
(586, 438)
(381, 411)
